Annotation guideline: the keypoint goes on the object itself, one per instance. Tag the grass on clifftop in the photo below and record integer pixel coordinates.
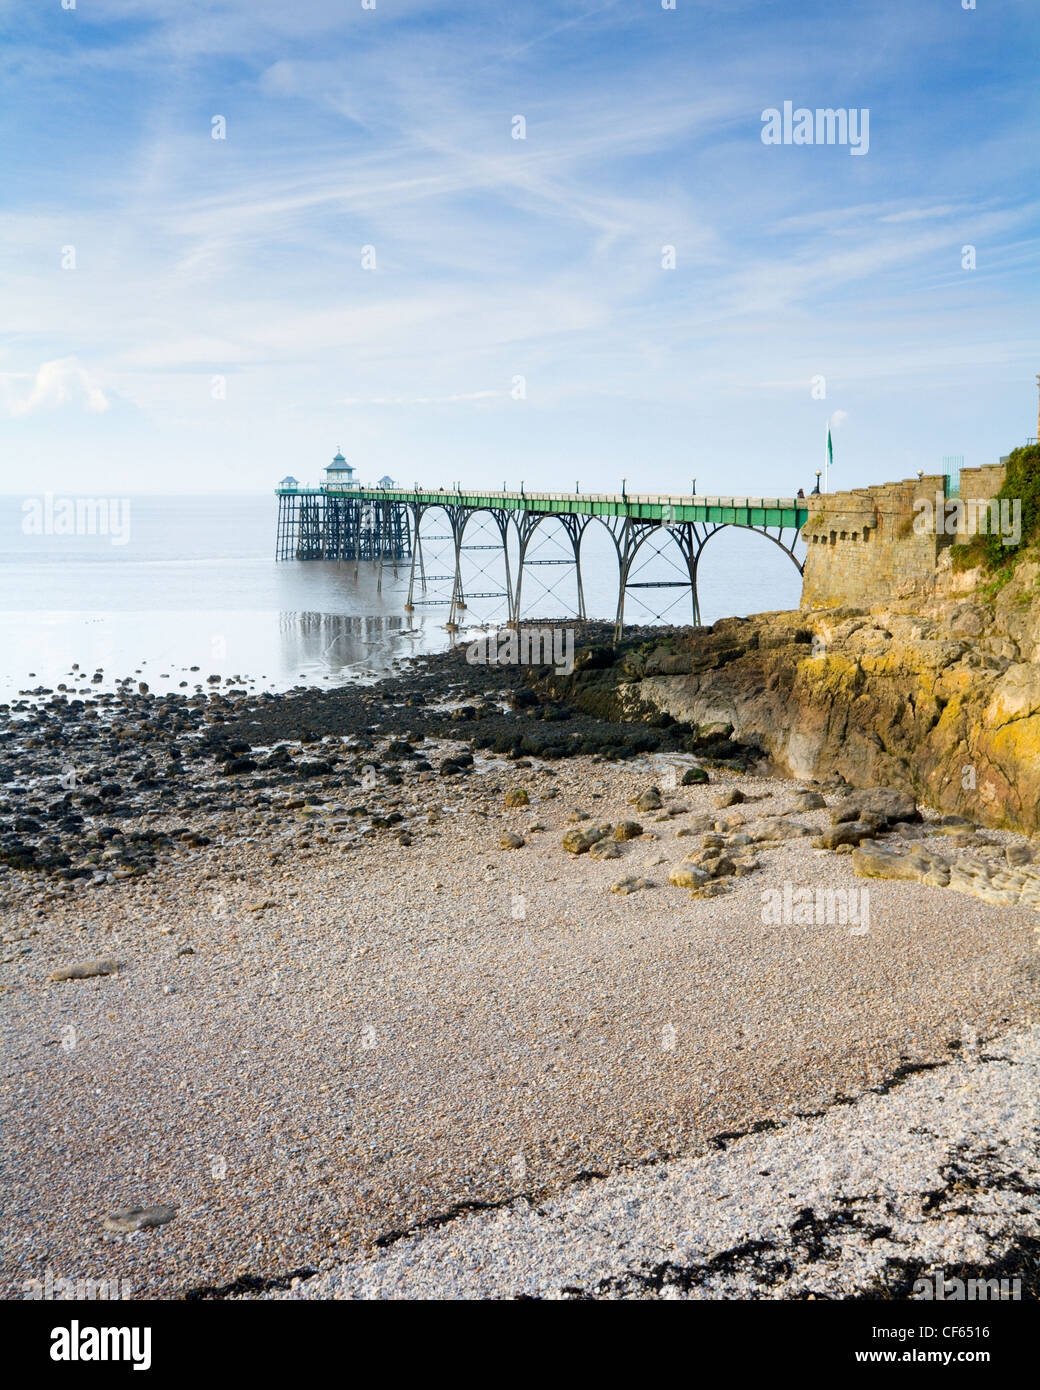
(1021, 484)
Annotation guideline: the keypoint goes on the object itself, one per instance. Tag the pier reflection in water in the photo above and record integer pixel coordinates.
(342, 646)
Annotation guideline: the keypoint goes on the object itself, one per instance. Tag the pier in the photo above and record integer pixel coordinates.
(384, 524)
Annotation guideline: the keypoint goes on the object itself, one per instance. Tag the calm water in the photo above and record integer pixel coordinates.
(195, 585)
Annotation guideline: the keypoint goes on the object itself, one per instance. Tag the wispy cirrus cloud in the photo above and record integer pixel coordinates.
(664, 283)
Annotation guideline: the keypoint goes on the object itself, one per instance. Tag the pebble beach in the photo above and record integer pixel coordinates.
(371, 1030)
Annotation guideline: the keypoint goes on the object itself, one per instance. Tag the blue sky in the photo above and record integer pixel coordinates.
(498, 258)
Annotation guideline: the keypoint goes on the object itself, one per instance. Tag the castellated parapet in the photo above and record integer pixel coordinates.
(863, 548)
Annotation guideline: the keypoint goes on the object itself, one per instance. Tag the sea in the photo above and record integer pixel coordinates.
(174, 590)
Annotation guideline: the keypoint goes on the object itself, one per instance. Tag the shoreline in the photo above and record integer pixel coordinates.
(340, 1008)
(788, 1212)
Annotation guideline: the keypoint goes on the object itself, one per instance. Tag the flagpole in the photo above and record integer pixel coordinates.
(827, 460)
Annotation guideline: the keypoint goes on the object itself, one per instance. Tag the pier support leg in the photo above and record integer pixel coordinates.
(626, 548)
(514, 620)
(416, 556)
(458, 598)
(619, 621)
(581, 591)
(509, 580)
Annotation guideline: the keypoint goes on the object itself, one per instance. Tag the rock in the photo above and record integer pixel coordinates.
(694, 777)
(779, 828)
(139, 1218)
(237, 765)
(580, 841)
(627, 830)
(874, 861)
(86, 970)
(733, 797)
(714, 888)
(1018, 854)
(517, 796)
(886, 803)
(648, 800)
(719, 866)
(969, 876)
(687, 876)
(604, 849)
(511, 841)
(807, 801)
(967, 621)
(577, 816)
(261, 907)
(745, 867)
(630, 884)
(850, 832)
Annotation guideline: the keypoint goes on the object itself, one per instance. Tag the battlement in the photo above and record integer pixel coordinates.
(863, 547)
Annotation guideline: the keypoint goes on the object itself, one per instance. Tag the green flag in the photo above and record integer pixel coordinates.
(830, 446)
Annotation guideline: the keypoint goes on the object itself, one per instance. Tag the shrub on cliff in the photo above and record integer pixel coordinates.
(1021, 484)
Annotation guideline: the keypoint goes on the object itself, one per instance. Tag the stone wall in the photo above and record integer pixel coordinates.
(979, 485)
(863, 548)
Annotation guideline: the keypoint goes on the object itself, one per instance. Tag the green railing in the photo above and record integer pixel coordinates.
(735, 511)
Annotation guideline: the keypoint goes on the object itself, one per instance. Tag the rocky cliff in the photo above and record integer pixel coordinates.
(937, 695)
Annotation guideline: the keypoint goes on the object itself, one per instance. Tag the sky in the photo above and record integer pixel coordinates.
(638, 288)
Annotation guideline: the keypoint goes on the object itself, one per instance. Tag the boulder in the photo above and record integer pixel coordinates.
(849, 832)
(779, 828)
(648, 800)
(733, 797)
(581, 839)
(714, 888)
(630, 884)
(874, 861)
(687, 876)
(888, 804)
(604, 849)
(719, 866)
(627, 830)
